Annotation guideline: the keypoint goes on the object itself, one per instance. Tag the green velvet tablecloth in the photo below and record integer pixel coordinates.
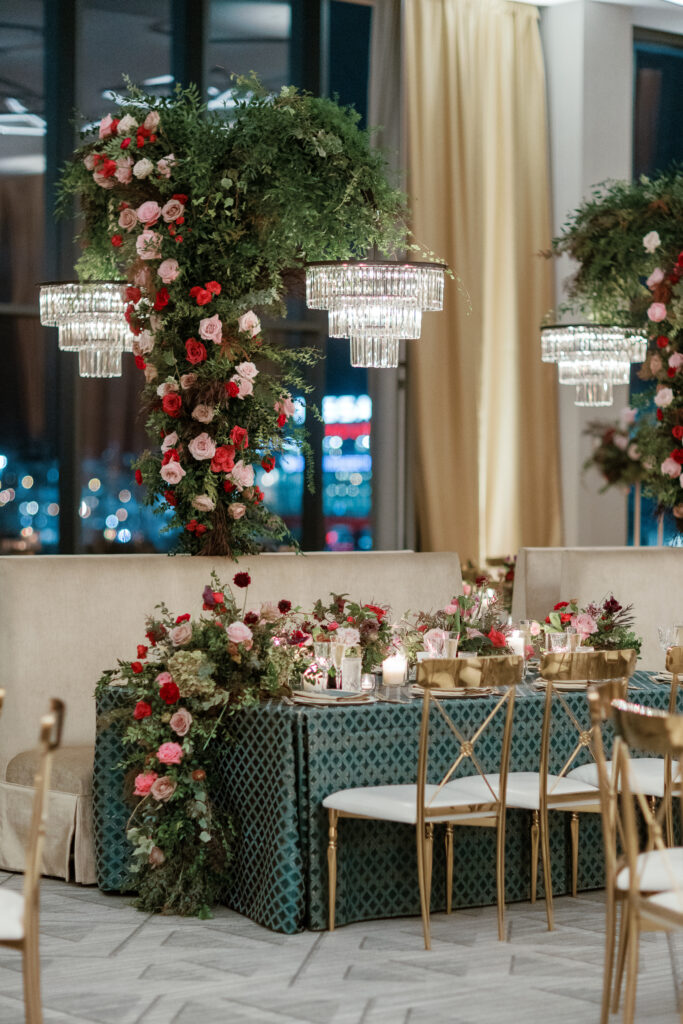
(288, 758)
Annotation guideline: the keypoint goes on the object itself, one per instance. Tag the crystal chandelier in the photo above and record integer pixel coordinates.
(592, 357)
(375, 303)
(90, 319)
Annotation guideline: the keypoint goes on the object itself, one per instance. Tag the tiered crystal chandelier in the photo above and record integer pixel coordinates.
(375, 303)
(592, 357)
(91, 321)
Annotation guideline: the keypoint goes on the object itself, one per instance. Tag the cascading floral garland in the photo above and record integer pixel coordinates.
(627, 239)
(209, 222)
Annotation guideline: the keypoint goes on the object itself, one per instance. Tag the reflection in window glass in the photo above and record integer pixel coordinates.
(244, 36)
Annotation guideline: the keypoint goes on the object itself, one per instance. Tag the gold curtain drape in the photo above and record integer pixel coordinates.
(484, 405)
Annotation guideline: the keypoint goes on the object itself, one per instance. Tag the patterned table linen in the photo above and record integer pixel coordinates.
(287, 759)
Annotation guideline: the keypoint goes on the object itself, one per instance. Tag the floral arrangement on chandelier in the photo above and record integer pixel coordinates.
(210, 222)
(616, 455)
(182, 688)
(628, 241)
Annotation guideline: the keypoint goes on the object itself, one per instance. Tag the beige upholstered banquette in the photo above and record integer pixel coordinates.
(66, 618)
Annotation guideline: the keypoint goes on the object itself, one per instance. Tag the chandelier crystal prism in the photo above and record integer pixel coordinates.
(375, 303)
(90, 318)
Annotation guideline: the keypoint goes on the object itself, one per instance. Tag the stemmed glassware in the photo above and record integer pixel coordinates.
(338, 655)
(667, 636)
(322, 651)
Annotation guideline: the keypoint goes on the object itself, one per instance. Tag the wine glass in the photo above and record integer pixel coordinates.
(338, 655)
(322, 653)
(435, 642)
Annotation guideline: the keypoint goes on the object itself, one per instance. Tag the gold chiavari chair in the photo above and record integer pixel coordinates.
(655, 732)
(19, 911)
(542, 792)
(468, 800)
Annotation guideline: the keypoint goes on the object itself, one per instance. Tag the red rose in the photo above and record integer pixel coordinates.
(133, 294)
(678, 433)
(660, 414)
(180, 220)
(171, 230)
(671, 371)
(547, 619)
(125, 144)
(196, 351)
(169, 692)
(379, 612)
(565, 617)
(250, 619)
(258, 495)
(677, 455)
(136, 667)
(560, 604)
(281, 420)
(239, 437)
(284, 606)
(228, 487)
(170, 456)
(268, 462)
(140, 363)
(178, 238)
(224, 459)
(138, 476)
(241, 579)
(203, 297)
(180, 197)
(662, 342)
(108, 168)
(116, 240)
(680, 259)
(142, 710)
(183, 618)
(232, 389)
(172, 404)
(331, 626)
(170, 497)
(142, 651)
(497, 638)
(213, 287)
(161, 299)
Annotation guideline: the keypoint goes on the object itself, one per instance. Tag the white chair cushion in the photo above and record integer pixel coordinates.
(657, 870)
(11, 914)
(399, 803)
(647, 774)
(523, 789)
(672, 901)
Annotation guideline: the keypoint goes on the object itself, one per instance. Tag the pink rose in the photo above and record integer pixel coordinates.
(670, 468)
(124, 170)
(250, 323)
(621, 442)
(211, 329)
(172, 210)
(165, 164)
(285, 406)
(245, 386)
(148, 245)
(128, 218)
(676, 360)
(203, 413)
(182, 633)
(156, 857)
(236, 510)
(151, 122)
(149, 212)
(657, 312)
(151, 373)
(452, 608)
(107, 127)
(238, 633)
(164, 677)
(664, 397)
(202, 447)
(584, 624)
(172, 473)
(102, 180)
(535, 628)
(627, 417)
(188, 380)
(168, 270)
(144, 783)
(170, 753)
(144, 343)
(467, 589)
(242, 476)
(163, 788)
(168, 387)
(170, 441)
(246, 370)
(203, 503)
(181, 721)
(655, 278)
(89, 162)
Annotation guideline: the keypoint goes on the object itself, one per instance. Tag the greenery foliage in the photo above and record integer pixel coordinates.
(210, 222)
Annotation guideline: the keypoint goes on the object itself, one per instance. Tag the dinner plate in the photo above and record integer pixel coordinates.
(663, 677)
(565, 686)
(337, 698)
(461, 691)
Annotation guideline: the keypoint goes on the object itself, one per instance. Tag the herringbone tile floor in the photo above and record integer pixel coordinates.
(106, 963)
